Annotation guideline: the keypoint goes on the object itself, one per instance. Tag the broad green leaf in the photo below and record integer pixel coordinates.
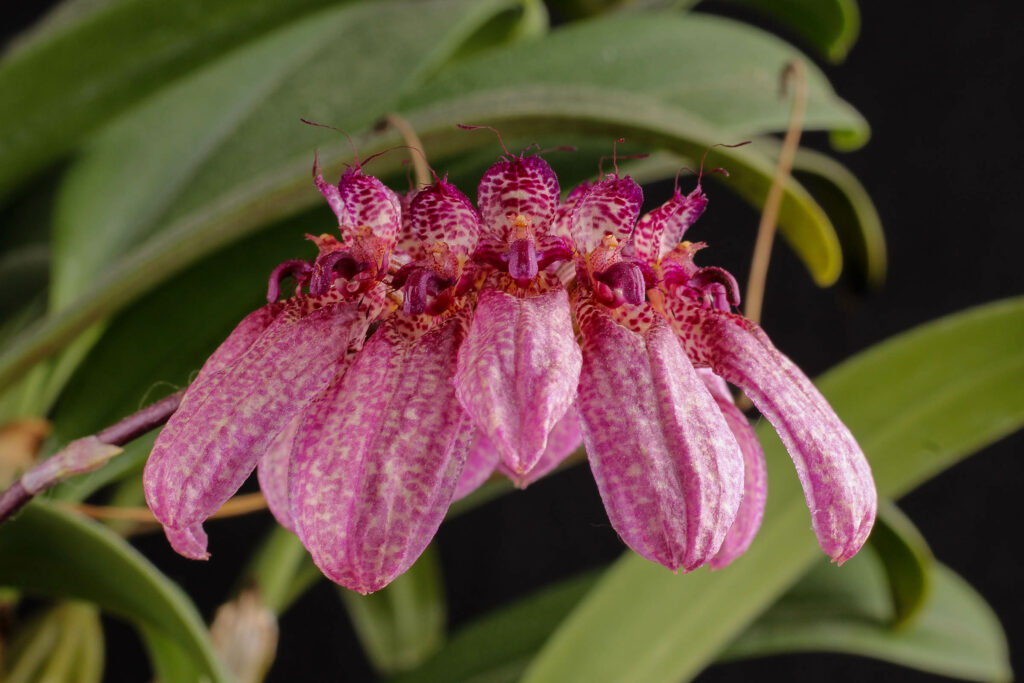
(956, 634)
(92, 60)
(720, 72)
(906, 559)
(209, 134)
(852, 212)
(497, 648)
(829, 26)
(519, 110)
(961, 386)
(42, 542)
(848, 206)
(527, 20)
(403, 624)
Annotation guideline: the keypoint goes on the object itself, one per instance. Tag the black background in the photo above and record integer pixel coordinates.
(943, 166)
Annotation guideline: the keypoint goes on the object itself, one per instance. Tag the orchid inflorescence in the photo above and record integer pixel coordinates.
(437, 342)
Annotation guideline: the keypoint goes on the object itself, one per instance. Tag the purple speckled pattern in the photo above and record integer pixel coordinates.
(480, 463)
(520, 186)
(379, 454)
(441, 213)
(564, 439)
(189, 541)
(660, 230)
(563, 217)
(609, 207)
(227, 419)
(755, 474)
(360, 200)
(667, 465)
(518, 372)
(240, 339)
(833, 471)
(272, 471)
(440, 343)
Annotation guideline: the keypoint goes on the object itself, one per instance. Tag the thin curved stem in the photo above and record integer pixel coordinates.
(796, 72)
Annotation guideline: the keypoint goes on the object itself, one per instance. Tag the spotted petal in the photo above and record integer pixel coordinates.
(360, 200)
(518, 372)
(379, 454)
(833, 471)
(519, 186)
(441, 213)
(666, 463)
(755, 474)
(610, 207)
(660, 230)
(227, 418)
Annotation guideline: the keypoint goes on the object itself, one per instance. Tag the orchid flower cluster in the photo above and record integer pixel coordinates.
(437, 342)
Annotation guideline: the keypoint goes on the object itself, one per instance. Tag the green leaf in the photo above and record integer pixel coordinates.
(829, 26)
(961, 386)
(42, 542)
(212, 132)
(658, 119)
(906, 559)
(92, 60)
(404, 623)
(719, 72)
(852, 212)
(497, 648)
(956, 634)
(170, 663)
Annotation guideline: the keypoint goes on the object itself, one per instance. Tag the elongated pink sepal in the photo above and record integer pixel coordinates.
(755, 475)
(228, 418)
(379, 453)
(666, 463)
(518, 372)
(523, 186)
(835, 475)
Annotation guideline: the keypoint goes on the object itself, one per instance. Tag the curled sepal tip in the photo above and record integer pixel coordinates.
(190, 541)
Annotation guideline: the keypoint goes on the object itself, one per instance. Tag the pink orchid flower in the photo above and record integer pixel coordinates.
(435, 344)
